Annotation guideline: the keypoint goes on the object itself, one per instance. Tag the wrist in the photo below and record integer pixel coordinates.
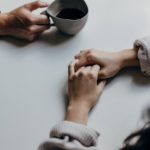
(77, 112)
(129, 58)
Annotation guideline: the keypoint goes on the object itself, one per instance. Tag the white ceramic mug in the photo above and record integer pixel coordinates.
(67, 26)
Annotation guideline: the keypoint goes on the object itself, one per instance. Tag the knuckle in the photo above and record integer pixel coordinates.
(97, 66)
(104, 73)
(70, 78)
(90, 55)
(82, 74)
(75, 76)
(30, 29)
(30, 19)
(83, 51)
(91, 76)
(87, 51)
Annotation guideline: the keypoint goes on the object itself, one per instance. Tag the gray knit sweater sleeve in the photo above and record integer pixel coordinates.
(143, 46)
(71, 136)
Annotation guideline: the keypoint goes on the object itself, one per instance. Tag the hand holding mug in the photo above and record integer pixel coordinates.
(22, 23)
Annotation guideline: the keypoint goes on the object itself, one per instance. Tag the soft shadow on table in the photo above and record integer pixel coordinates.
(51, 143)
(14, 41)
(65, 95)
(52, 37)
(138, 78)
(135, 74)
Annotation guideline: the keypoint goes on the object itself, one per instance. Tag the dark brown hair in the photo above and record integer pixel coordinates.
(141, 137)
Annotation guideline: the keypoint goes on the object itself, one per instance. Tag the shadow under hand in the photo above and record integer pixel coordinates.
(15, 41)
(55, 37)
(136, 75)
(138, 78)
(52, 36)
(65, 95)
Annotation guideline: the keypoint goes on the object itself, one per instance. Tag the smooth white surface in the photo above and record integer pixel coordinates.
(33, 77)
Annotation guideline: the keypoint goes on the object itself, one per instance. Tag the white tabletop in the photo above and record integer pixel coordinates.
(33, 77)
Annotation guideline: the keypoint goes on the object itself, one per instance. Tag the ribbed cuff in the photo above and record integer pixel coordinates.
(143, 45)
(83, 134)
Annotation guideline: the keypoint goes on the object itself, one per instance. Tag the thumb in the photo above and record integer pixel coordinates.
(82, 62)
(102, 74)
(35, 5)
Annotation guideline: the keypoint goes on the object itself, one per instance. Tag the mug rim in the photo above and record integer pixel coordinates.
(52, 16)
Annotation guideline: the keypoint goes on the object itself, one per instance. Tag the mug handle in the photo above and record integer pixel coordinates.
(48, 16)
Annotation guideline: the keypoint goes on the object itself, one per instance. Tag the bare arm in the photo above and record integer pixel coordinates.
(129, 58)
(84, 92)
(110, 62)
(77, 113)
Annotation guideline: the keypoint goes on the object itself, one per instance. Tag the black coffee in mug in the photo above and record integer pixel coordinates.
(69, 16)
(71, 13)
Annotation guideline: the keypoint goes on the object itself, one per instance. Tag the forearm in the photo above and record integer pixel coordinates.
(77, 112)
(129, 58)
